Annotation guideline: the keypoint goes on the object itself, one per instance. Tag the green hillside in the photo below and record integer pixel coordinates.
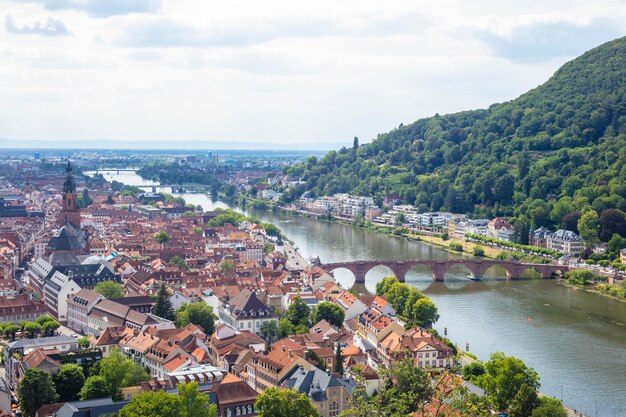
(558, 149)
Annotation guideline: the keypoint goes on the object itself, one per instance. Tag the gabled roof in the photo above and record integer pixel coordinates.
(247, 301)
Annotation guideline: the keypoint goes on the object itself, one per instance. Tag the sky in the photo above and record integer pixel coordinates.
(269, 71)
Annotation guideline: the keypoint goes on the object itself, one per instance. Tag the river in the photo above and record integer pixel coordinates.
(575, 340)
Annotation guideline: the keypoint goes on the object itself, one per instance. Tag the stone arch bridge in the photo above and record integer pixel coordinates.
(438, 267)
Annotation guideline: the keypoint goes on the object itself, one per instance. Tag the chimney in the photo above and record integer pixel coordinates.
(290, 353)
(282, 348)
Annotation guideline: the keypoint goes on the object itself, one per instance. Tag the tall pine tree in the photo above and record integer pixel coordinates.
(163, 307)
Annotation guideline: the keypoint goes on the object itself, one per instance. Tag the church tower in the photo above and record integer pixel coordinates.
(71, 213)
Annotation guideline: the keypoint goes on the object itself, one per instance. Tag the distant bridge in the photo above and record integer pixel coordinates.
(438, 267)
(116, 170)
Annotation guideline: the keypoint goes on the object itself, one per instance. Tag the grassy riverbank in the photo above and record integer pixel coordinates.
(606, 290)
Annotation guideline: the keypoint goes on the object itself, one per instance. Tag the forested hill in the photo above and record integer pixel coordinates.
(557, 149)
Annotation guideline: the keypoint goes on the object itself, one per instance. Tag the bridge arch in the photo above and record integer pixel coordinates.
(344, 276)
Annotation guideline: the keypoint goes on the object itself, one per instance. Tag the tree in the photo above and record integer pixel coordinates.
(32, 329)
(549, 407)
(119, 371)
(200, 314)
(298, 312)
(151, 403)
(35, 390)
(43, 319)
(330, 312)
(179, 262)
(269, 330)
(163, 307)
(10, 329)
(285, 328)
(338, 367)
(525, 401)
(570, 221)
(588, 227)
(473, 370)
(197, 230)
(69, 381)
(504, 188)
(612, 221)
(403, 389)
(84, 342)
(271, 229)
(470, 404)
(49, 327)
(615, 244)
(162, 237)
(425, 312)
(383, 286)
(276, 402)
(479, 251)
(109, 289)
(84, 200)
(504, 378)
(192, 403)
(94, 387)
(227, 265)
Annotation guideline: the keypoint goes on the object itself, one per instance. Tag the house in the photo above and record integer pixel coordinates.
(139, 303)
(246, 312)
(91, 408)
(539, 237)
(499, 228)
(235, 397)
(79, 306)
(58, 289)
(622, 255)
(330, 395)
(226, 344)
(177, 299)
(427, 351)
(351, 304)
(565, 241)
(108, 313)
(20, 308)
(271, 369)
(22, 346)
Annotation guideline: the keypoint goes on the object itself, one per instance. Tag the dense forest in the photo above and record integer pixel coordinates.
(541, 159)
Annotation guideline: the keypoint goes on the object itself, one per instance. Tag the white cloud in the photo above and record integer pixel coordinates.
(103, 8)
(277, 70)
(45, 26)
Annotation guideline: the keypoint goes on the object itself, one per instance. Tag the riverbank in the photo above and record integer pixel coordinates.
(467, 247)
(593, 288)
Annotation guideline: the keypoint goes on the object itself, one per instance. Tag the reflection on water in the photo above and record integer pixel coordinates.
(573, 339)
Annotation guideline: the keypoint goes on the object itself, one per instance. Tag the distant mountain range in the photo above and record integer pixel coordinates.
(164, 145)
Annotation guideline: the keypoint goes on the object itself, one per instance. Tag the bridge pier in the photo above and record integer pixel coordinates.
(439, 269)
(400, 271)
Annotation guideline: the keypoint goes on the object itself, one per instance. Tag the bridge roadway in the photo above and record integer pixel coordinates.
(438, 267)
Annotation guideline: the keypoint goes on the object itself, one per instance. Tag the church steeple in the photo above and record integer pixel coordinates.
(70, 200)
(69, 186)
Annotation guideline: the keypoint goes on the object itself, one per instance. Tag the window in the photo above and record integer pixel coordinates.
(334, 409)
(420, 355)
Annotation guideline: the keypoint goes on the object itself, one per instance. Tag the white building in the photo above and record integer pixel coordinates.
(57, 291)
(565, 241)
(246, 312)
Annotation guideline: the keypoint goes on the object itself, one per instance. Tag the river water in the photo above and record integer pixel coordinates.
(575, 340)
